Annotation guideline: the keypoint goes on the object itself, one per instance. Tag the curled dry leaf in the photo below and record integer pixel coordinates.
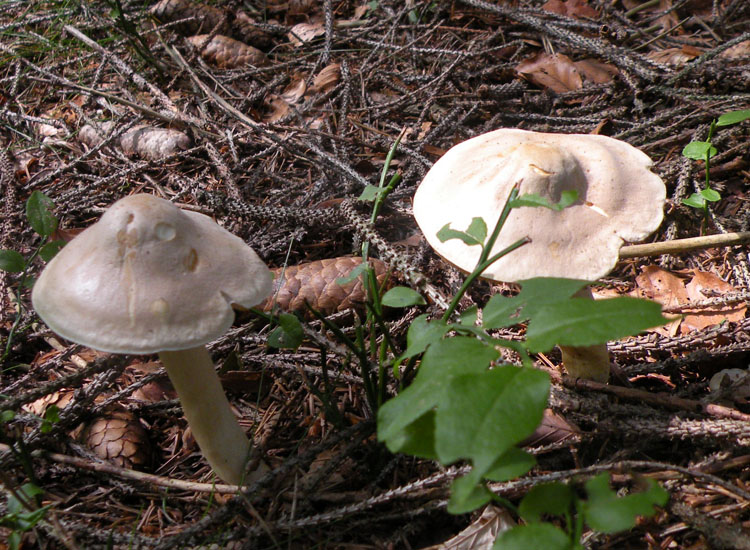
(294, 91)
(118, 437)
(277, 108)
(661, 286)
(703, 286)
(317, 284)
(674, 56)
(554, 71)
(153, 143)
(596, 71)
(481, 533)
(227, 53)
(327, 78)
(204, 18)
(302, 33)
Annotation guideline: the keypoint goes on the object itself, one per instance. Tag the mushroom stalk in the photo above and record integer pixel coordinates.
(590, 362)
(220, 437)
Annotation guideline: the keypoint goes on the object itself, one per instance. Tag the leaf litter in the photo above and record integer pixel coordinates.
(311, 127)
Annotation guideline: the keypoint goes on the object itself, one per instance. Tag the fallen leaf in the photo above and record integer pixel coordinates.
(596, 71)
(278, 108)
(302, 33)
(741, 49)
(481, 533)
(294, 91)
(674, 56)
(327, 78)
(661, 286)
(554, 71)
(712, 315)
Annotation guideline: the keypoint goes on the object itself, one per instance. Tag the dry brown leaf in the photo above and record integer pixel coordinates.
(741, 49)
(665, 288)
(481, 533)
(302, 33)
(596, 71)
(554, 71)
(227, 53)
(571, 8)
(674, 56)
(706, 317)
(278, 108)
(294, 91)
(327, 78)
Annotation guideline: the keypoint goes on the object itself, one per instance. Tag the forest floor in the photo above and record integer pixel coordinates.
(271, 142)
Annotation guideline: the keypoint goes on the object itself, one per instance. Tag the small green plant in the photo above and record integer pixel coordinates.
(603, 511)
(41, 219)
(705, 150)
(464, 405)
(23, 514)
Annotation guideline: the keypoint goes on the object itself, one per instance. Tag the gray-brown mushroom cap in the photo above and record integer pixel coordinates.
(149, 277)
(620, 199)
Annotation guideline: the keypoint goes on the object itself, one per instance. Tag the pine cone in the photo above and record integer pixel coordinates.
(119, 438)
(316, 283)
(227, 53)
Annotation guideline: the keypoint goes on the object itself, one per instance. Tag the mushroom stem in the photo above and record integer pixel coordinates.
(590, 362)
(220, 437)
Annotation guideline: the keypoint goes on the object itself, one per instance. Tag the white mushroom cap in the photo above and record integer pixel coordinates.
(620, 199)
(149, 277)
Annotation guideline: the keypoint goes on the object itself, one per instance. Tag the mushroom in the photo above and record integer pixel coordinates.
(619, 199)
(151, 278)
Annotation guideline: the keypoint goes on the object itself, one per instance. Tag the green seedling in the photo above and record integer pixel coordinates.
(705, 150)
(24, 512)
(465, 404)
(602, 510)
(41, 219)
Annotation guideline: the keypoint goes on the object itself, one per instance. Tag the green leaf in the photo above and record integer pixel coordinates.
(733, 117)
(417, 438)
(477, 229)
(696, 200)
(535, 536)
(446, 233)
(485, 413)
(11, 261)
(467, 494)
(512, 464)
(401, 296)
(502, 311)
(423, 332)
(14, 540)
(51, 416)
(370, 193)
(50, 250)
(288, 334)
(608, 513)
(699, 150)
(550, 498)
(585, 322)
(353, 274)
(566, 199)
(711, 195)
(468, 317)
(7, 416)
(39, 213)
(442, 362)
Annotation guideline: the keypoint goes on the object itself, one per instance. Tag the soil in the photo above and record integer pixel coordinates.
(274, 134)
